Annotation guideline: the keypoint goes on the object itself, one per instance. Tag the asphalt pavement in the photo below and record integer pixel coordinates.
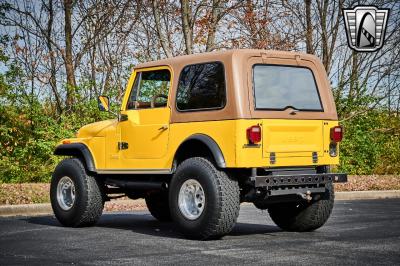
(363, 232)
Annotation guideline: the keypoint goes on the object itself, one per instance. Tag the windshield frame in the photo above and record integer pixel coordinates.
(289, 106)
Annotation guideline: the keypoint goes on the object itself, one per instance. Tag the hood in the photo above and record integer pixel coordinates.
(96, 129)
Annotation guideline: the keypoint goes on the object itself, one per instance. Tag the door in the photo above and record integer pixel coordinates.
(144, 133)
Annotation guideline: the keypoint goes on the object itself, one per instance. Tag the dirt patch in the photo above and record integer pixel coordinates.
(370, 182)
(125, 205)
(24, 193)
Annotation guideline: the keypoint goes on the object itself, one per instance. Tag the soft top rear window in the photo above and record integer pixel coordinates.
(279, 87)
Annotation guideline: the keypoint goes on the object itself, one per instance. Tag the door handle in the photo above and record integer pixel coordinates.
(123, 145)
(164, 127)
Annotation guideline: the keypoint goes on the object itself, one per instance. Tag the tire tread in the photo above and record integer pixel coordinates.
(306, 218)
(228, 209)
(90, 211)
(158, 206)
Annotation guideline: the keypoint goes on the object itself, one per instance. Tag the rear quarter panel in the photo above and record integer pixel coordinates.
(222, 132)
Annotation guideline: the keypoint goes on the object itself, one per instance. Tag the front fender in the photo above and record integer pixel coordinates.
(78, 150)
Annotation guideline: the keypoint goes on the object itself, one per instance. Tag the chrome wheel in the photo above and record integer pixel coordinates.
(191, 199)
(66, 193)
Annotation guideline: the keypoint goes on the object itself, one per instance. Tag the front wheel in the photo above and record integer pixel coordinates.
(303, 216)
(204, 201)
(76, 197)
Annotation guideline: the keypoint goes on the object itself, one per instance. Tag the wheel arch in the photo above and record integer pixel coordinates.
(78, 150)
(199, 144)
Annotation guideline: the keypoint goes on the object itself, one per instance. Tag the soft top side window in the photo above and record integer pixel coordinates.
(201, 87)
(150, 86)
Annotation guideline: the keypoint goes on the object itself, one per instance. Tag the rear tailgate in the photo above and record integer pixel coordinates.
(293, 138)
(294, 104)
(289, 96)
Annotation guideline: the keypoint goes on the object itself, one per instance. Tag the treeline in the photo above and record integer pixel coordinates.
(56, 57)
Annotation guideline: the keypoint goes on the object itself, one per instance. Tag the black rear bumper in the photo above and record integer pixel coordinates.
(279, 185)
(297, 180)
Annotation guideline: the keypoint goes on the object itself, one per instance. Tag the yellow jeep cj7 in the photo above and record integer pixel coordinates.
(197, 135)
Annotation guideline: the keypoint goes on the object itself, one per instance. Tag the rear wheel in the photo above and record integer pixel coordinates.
(158, 206)
(204, 201)
(76, 197)
(303, 216)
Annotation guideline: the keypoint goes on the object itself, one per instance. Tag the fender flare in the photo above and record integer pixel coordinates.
(212, 145)
(77, 149)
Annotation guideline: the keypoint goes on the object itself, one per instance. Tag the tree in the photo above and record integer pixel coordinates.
(165, 43)
(187, 25)
(69, 65)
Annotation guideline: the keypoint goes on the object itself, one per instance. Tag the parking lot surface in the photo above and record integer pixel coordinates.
(363, 232)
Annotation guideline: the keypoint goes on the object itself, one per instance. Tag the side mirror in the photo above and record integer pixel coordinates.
(104, 103)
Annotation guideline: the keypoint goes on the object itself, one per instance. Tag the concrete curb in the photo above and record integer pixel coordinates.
(361, 195)
(26, 210)
(45, 208)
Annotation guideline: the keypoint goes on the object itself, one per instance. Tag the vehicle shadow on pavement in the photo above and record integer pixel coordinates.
(242, 229)
(144, 223)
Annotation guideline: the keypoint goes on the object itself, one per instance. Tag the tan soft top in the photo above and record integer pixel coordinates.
(238, 75)
(214, 56)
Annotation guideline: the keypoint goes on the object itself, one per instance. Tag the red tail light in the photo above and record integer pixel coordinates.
(337, 134)
(254, 134)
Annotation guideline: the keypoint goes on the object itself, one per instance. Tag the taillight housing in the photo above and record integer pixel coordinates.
(254, 134)
(337, 134)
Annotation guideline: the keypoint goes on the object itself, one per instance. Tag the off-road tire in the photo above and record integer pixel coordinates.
(303, 216)
(261, 205)
(89, 195)
(158, 206)
(222, 200)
